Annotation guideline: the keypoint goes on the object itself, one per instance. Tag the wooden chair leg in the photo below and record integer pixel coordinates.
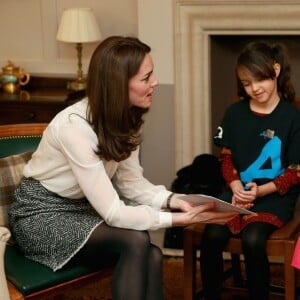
(236, 270)
(289, 271)
(190, 259)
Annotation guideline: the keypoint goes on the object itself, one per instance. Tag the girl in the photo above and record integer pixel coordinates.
(259, 139)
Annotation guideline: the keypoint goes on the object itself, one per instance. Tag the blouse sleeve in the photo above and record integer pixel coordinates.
(79, 145)
(133, 185)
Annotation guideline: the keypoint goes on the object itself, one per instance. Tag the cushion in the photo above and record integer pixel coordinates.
(29, 276)
(11, 172)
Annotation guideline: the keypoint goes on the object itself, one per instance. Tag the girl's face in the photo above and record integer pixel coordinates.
(141, 85)
(261, 91)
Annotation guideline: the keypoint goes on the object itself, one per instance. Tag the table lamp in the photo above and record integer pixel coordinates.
(78, 25)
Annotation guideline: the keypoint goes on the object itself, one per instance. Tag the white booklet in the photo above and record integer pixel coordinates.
(220, 204)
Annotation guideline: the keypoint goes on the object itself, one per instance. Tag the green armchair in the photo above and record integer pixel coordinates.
(21, 278)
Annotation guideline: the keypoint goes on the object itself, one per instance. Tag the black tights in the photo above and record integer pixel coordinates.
(253, 238)
(138, 273)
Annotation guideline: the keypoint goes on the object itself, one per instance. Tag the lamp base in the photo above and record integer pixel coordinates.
(77, 85)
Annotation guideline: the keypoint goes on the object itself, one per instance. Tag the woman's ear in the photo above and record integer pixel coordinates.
(277, 69)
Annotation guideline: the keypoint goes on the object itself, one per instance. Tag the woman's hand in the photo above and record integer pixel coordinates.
(203, 213)
(177, 203)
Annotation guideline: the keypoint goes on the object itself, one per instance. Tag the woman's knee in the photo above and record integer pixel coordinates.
(119, 240)
(137, 242)
(139, 238)
(155, 254)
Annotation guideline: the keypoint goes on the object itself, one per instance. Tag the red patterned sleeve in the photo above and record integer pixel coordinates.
(289, 178)
(228, 170)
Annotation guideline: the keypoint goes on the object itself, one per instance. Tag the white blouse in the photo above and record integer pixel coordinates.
(65, 163)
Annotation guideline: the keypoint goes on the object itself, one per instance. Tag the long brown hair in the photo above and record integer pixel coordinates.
(117, 124)
(259, 59)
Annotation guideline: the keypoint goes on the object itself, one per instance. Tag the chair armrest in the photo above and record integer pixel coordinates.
(4, 236)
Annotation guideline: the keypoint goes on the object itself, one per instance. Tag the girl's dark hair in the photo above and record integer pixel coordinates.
(117, 124)
(259, 59)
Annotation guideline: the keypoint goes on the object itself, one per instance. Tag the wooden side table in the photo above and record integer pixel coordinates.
(40, 102)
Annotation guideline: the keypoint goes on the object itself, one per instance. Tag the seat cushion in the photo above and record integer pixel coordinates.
(29, 276)
(11, 172)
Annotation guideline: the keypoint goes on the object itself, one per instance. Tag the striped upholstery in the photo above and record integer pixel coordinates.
(11, 170)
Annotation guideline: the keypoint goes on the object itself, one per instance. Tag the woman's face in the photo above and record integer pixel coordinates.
(141, 85)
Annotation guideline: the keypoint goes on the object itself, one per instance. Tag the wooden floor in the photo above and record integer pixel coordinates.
(241, 294)
(230, 293)
(235, 294)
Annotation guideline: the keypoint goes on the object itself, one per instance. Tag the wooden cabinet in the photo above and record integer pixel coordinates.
(39, 103)
(33, 110)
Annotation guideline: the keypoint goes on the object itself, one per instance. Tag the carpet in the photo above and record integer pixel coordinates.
(173, 284)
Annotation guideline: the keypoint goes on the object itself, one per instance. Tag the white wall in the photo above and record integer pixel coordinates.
(28, 32)
(28, 37)
(155, 27)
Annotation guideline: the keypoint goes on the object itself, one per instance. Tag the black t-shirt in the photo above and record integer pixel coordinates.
(262, 147)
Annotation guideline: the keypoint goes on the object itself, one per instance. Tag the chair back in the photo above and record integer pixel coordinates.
(17, 142)
(19, 138)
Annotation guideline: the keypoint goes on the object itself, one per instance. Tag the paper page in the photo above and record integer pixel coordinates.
(220, 204)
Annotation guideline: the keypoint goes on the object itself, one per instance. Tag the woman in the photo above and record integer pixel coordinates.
(69, 205)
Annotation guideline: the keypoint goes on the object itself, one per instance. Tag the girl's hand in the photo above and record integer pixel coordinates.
(203, 213)
(245, 197)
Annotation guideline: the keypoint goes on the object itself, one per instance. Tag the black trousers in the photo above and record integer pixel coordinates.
(253, 238)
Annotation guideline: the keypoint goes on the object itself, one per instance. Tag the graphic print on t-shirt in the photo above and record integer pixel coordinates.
(271, 152)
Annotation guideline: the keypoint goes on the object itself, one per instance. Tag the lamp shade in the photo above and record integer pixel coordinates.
(78, 25)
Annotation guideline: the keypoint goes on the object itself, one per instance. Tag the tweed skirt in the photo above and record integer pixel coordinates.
(48, 228)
